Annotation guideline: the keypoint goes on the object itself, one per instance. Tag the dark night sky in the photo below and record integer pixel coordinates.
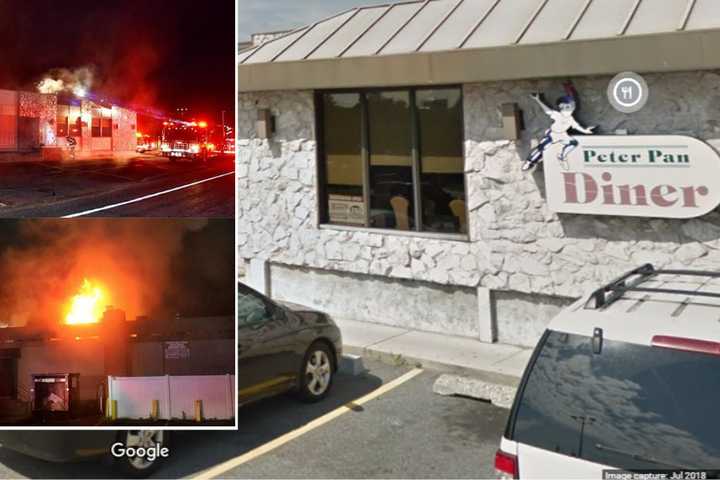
(161, 54)
(201, 272)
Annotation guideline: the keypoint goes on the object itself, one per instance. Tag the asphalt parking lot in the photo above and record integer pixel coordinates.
(142, 185)
(404, 432)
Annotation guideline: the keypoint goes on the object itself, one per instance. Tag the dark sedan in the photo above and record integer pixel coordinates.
(68, 446)
(284, 347)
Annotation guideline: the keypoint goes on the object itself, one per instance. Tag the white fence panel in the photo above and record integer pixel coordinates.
(176, 396)
(134, 396)
(212, 390)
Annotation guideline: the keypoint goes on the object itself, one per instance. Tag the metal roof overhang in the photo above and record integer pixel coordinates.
(658, 52)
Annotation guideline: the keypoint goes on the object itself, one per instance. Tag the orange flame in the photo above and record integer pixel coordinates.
(88, 305)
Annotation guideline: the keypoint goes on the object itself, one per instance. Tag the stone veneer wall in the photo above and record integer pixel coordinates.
(515, 243)
(43, 107)
(124, 139)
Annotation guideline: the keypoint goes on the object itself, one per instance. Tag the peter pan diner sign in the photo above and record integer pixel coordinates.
(671, 176)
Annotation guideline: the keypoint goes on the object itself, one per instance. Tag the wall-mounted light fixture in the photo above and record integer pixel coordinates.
(511, 120)
(265, 124)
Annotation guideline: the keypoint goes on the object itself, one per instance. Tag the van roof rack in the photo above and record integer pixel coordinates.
(606, 295)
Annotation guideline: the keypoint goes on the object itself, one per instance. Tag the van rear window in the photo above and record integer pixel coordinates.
(630, 406)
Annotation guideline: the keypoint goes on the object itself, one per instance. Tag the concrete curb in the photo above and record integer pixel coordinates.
(351, 365)
(499, 395)
(487, 376)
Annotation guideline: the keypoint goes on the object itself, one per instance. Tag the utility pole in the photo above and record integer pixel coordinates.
(583, 420)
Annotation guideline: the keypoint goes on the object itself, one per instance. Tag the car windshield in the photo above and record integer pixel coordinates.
(251, 308)
(629, 406)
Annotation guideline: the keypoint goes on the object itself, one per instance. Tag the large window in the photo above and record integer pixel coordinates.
(393, 159)
(69, 121)
(343, 158)
(101, 122)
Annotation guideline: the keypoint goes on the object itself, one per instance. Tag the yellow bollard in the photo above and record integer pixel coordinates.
(154, 412)
(108, 406)
(198, 411)
(113, 415)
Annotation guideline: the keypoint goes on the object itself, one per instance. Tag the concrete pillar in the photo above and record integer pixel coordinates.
(486, 322)
(258, 275)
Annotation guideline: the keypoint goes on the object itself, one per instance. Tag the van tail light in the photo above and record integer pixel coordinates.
(506, 465)
(687, 344)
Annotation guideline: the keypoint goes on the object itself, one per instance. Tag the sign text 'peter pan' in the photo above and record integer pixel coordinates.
(650, 176)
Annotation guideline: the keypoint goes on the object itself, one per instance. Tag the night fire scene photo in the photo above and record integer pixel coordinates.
(117, 108)
(117, 322)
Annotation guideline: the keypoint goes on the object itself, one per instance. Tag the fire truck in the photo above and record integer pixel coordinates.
(193, 140)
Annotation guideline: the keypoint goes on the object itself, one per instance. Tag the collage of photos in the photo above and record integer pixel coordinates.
(117, 229)
(360, 239)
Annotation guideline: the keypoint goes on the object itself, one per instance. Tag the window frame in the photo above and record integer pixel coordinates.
(105, 129)
(323, 218)
(64, 115)
(62, 126)
(102, 119)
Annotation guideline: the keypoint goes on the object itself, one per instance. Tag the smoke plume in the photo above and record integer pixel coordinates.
(131, 258)
(63, 80)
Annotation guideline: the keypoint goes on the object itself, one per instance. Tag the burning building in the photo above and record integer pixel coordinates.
(63, 125)
(86, 299)
(66, 367)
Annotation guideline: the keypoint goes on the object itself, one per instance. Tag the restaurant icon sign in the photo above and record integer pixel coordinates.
(628, 92)
(668, 176)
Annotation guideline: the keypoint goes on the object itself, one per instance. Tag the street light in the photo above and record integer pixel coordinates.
(583, 420)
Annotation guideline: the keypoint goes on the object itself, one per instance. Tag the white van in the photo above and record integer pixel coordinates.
(628, 377)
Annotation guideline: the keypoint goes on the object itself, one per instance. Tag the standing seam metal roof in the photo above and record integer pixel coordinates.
(439, 25)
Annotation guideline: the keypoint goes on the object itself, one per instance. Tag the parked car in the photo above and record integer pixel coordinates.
(624, 378)
(284, 347)
(69, 446)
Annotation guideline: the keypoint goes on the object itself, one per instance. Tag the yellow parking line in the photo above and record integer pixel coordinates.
(260, 387)
(273, 444)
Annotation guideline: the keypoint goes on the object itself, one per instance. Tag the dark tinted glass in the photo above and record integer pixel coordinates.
(62, 126)
(96, 127)
(343, 158)
(106, 130)
(656, 404)
(441, 159)
(391, 183)
(76, 128)
(74, 121)
(251, 308)
(382, 124)
(62, 121)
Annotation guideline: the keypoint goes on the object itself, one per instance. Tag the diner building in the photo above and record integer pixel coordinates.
(62, 125)
(380, 156)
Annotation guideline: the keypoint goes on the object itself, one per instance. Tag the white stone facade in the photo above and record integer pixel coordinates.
(514, 242)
